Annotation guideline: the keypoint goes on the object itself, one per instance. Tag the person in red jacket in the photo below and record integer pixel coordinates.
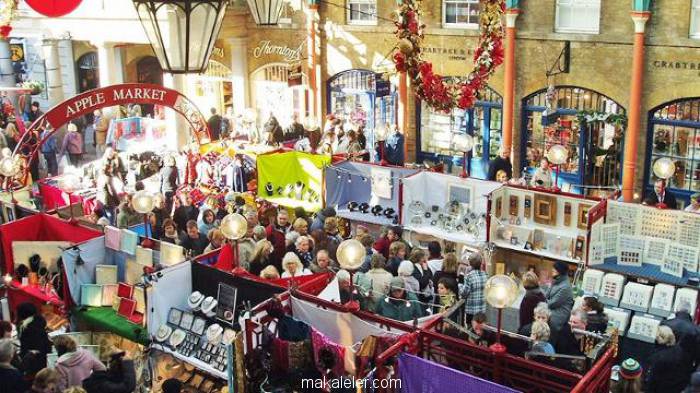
(382, 244)
(276, 233)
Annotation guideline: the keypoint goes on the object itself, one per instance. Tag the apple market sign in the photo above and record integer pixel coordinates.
(267, 48)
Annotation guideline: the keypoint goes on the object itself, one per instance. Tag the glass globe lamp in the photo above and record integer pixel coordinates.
(351, 253)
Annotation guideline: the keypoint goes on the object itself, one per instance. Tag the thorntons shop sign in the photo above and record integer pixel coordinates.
(267, 48)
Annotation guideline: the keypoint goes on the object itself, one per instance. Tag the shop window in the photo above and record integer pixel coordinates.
(675, 133)
(483, 122)
(578, 16)
(460, 13)
(271, 94)
(88, 72)
(595, 154)
(362, 12)
(695, 19)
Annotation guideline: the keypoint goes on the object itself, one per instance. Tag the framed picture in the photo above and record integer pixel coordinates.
(545, 209)
(174, 316)
(528, 246)
(528, 206)
(8, 211)
(186, 321)
(460, 193)
(513, 204)
(514, 240)
(499, 207)
(583, 215)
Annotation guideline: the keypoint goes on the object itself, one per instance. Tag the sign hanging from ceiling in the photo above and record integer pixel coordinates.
(54, 8)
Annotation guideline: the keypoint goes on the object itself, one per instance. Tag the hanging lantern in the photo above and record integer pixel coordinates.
(182, 32)
(266, 12)
(664, 168)
(143, 202)
(234, 226)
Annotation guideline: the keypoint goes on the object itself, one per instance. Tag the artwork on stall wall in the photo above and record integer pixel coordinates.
(583, 216)
(567, 214)
(688, 229)
(686, 255)
(631, 250)
(538, 239)
(226, 303)
(596, 253)
(528, 206)
(49, 251)
(381, 182)
(460, 193)
(513, 205)
(171, 254)
(545, 209)
(610, 233)
(105, 274)
(655, 251)
(129, 240)
(109, 293)
(113, 238)
(579, 246)
(499, 207)
(627, 215)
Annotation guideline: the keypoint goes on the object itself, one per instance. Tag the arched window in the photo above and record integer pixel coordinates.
(149, 71)
(484, 122)
(88, 72)
(674, 132)
(271, 93)
(595, 153)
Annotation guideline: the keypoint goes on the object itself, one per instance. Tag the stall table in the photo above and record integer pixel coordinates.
(105, 318)
(54, 197)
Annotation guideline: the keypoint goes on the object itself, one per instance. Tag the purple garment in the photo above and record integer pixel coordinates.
(320, 341)
(423, 376)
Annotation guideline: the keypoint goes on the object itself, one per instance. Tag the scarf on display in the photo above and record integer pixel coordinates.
(323, 347)
(419, 375)
(290, 356)
(236, 178)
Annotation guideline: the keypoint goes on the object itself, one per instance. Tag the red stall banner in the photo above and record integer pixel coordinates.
(54, 8)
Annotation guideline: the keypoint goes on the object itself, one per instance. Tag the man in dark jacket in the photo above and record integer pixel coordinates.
(31, 328)
(273, 130)
(500, 163)
(394, 150)
(276, 233)
(566, 342)
(320, 218)
(120, 377)
(214, 124)
(661, 195)
(194, 241)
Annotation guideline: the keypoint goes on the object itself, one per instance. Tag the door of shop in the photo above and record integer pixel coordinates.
(361, 97)
(594, 165)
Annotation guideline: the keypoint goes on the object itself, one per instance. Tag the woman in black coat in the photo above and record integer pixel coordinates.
(33, 337)
(533, 297)
(668, 369)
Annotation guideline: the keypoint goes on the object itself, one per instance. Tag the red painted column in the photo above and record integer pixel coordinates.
(635, 109)
(312, 61)
(509, 78)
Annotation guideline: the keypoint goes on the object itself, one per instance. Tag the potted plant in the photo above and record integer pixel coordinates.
(36, 87)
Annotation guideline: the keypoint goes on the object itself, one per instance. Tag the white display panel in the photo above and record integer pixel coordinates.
(592, 280)
(637, 296)
(644, 327)
(662, 300)
(611, 289)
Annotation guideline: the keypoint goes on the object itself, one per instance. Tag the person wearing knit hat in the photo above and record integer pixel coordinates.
(399, 304)
(629, 380)
(560, 298)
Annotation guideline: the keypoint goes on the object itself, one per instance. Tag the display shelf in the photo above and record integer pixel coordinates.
(538, 253)
(571, 233)
(648, 272)
(368, 217)
(294, 203)
(464, 238)
(193, 361)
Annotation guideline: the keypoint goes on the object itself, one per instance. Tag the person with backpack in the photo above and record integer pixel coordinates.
(73, 145)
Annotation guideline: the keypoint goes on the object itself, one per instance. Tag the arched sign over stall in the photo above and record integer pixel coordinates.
(89, 101)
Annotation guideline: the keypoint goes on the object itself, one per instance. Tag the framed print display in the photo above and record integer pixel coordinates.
(461, 193)
(625, 214)
(144, 256)
(637, 296)
(644, 327)
(655, 251)
(686, 297)
(618, 318)
(174, 317)
(610, 233)
(126, 308)
(688, 229)
(592, 279)
(134, 271)
(528, 206)
(382, 186)
(105, 274)
(513, 205)
(582, 222)
(631, 250)
(567, 214)
(659, 223)
(611, 289)
(596, 253)
(129, 241)
(91, 295)
(545, 209)
(662, 300)
(687, 256)
(109, 293)
(125, 290)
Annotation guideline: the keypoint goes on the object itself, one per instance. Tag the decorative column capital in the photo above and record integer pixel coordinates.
(640, 19)
(511, 16)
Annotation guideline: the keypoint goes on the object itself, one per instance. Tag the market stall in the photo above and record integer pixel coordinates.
(137, 134)
(447, 207)
(363, 192)
(643, 266)
(31, 247)
(292, 179)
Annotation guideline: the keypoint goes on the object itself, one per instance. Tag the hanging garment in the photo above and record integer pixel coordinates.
(320, 342)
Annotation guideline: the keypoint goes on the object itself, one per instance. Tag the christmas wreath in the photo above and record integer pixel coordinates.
(8, 11)
(431, 87)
